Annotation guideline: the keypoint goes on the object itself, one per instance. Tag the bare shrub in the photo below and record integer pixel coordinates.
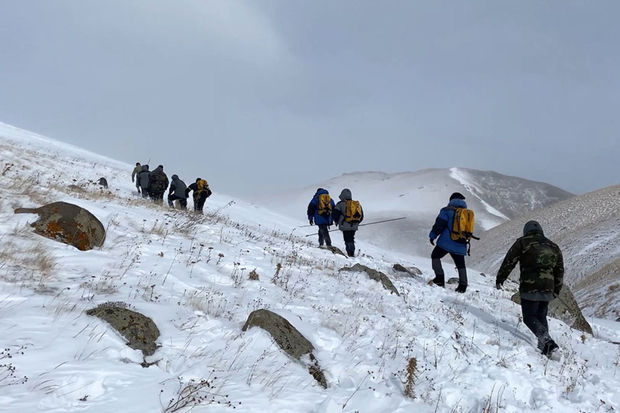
(412, 367)
(193, 393)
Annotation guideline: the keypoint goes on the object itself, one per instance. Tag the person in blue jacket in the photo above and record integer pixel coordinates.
(446, 245)
(321, 215)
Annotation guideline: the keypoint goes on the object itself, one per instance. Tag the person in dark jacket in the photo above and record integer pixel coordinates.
(446, 245)
(143, 180)
(542, 272)
(134, 175)
(158, 183)
(177, 191)
(348, 227)
(321, 217)
(201, 193)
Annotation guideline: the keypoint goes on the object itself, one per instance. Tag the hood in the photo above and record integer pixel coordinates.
(345, 195)
(457, 203)
(321, 191)
(532, 227)
(175, 177)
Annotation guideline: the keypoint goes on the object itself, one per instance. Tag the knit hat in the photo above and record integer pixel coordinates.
(456, 195)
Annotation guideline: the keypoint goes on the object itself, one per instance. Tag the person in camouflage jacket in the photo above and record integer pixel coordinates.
(542, 273)
(158, 183)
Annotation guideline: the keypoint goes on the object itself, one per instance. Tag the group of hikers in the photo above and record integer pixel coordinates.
(153, 185)
(540, 260)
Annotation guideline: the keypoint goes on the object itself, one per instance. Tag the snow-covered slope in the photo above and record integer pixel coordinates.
(190, 275)
(418, 196)
(587, 229)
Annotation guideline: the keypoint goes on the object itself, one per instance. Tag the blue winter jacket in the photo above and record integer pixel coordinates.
(442, 228)
(313, 209)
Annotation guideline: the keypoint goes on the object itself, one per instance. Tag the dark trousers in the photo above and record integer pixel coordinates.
(199, 202)
(324, 235)
(182, 200)
(535, 317)
(158, 197)
(459, 260)
(349, 242)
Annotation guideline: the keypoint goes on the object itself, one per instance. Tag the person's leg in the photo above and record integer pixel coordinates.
(349, 242)
(436, 256)
(183, 202)
(459, 261)
(321, 232)
(171, 199)
(531, 312)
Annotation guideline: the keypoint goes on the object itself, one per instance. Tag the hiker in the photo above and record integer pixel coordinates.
(158, 183)
(446, 245)
(134, 175)
(347, 216)
(201, 193)
(177, 191)
(320, 213)
(542, 270)
(142, 180)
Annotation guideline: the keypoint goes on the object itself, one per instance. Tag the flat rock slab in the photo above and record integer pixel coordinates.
(287, 337)
(374, 275)
(139, 330)
(413, 271)
(67, 223)
(565, 308)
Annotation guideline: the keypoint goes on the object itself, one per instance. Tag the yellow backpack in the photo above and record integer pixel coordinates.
(353, 211)
(463, 225)
(202, 185)
(324, 205)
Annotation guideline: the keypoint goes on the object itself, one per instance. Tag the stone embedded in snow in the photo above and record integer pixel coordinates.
(410, 270)
(139, 330)
(566, 309)
(68, 223)
(374, 275)
(287, 337)
(335, 250)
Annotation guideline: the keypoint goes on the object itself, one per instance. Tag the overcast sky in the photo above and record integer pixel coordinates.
(259, 96)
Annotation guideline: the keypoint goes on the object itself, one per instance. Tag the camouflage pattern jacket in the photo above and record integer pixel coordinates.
(540, 262)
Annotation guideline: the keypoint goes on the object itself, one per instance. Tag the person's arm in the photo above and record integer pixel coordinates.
(311, 209)
(438, 227)
(558, 274)
(510, 261)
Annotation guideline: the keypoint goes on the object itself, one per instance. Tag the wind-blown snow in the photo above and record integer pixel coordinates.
(190, 275)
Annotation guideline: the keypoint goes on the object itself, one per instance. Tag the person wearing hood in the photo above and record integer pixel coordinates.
(143, 180)
(347, 216)
(542, 272)
(158, 183)
(319, 212)
(446, 245)
(177, 191)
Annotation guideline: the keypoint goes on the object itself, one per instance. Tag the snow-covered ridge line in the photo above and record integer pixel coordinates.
(462, 178)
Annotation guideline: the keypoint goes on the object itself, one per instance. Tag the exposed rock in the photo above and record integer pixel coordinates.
(139, 330)
(453, 280)
(374, 275)
(565, 308)
(411, 270)
(335, 250)
(67, 223)
(288, 338)
(103, 182)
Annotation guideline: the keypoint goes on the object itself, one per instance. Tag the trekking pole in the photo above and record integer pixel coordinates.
(370, 223)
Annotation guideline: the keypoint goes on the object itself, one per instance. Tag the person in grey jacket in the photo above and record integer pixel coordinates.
(177, 191)
(143, 180)
(347, 224)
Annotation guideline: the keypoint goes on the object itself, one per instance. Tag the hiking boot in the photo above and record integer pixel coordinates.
(439, 282)
(461, 288)
(549, 347)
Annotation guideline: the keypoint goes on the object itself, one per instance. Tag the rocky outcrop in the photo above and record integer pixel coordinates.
(565, 308)
(374, 275)
(68, 223)
(288, 339)
(139, 330)
(413, 271)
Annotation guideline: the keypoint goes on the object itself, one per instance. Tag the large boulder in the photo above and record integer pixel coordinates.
(67, 223)
(374, 275)
(565, 308)
(288, 339)
(139, 330)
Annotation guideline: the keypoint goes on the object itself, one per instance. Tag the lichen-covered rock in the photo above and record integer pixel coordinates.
(565, 308)
(374, 275)
(288, 339)
(139, 330)
(411, 270)
(67, 223)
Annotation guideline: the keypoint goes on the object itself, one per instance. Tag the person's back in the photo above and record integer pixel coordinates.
(143, 180)
(177, 191)
(541, 278)
(319, 212)
(158, 183)
(347, 224)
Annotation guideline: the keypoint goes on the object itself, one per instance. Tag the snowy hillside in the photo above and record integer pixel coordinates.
(190, 274)
(418, 196)
(587, 229)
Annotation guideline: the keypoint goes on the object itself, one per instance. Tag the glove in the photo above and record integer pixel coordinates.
(498, 286)
(432, 241)
(311, 221)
